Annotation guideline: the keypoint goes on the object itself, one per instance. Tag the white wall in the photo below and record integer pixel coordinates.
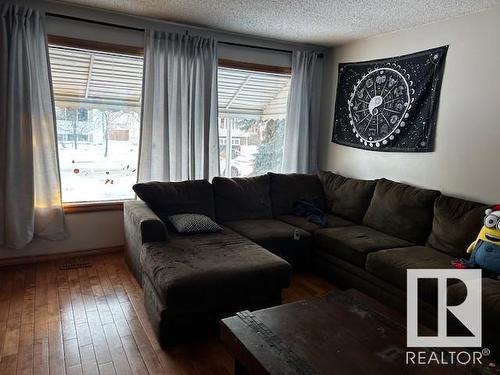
(466, 161)
(87, 231)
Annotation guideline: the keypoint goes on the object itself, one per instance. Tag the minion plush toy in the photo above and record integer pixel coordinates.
(485, 250)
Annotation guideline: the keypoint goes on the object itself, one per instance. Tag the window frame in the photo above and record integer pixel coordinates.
(62, 41)
(74, 208)
(235, 64)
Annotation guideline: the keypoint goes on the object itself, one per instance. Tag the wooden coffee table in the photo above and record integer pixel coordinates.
(345, 332)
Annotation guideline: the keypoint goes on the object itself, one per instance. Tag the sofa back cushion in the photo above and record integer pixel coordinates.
(242, 198)
(401, 210)
(347, 197)
(456, 224)
(170, 198)
(286, 189)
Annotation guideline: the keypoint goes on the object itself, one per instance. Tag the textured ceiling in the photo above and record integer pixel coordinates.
(324, 22)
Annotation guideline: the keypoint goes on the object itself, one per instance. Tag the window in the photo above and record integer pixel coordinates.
(252, 116)
(83, 114)
(98, 109)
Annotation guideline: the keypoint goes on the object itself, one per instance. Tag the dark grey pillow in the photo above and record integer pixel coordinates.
(347, 197)
(193, 223)
(456, 224)
(171, 198)
(402, 211)
(242, 198)
(286, 189)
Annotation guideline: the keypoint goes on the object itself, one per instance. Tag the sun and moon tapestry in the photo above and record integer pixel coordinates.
(390, 104)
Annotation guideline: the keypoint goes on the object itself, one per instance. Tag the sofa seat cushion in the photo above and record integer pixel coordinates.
(401, 210)
(208, 270)
(391, 265)
(354, 243)
(289, 242)
(347, 197)
(303, 223)
(286, 189)
(242, 198)
(456, 224)
(490, 301)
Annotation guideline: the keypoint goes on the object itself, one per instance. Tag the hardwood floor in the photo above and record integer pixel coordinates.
(92, 321)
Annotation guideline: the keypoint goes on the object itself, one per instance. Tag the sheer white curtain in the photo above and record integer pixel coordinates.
(179, 138)
(300, 148)
(30, 192)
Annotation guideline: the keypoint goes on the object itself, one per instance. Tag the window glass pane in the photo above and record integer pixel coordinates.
(97, 97)
(252, 118)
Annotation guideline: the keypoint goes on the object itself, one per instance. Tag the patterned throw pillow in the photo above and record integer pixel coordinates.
(194, 223)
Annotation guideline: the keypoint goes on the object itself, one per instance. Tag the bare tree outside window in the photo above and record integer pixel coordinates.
(70, 123)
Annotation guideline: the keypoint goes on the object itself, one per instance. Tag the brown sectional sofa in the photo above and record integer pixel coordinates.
(376, 230)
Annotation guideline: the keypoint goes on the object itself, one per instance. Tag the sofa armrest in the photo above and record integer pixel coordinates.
(138, 216)
(141, 226)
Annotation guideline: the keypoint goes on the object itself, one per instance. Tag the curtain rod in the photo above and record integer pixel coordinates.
(142, 29)
(320, 55)
(256, 47)
(95, 22)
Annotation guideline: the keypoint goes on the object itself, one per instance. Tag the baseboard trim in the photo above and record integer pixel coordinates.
(14, 261)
